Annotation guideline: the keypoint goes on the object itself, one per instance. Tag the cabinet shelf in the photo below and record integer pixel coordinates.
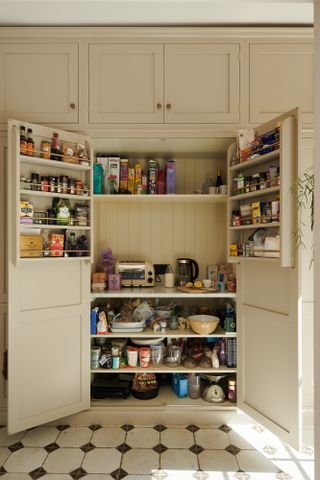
(52, 227)
(257, 193)
(53, 163)
(53, 259)
(166, 398)
(257, 225)
(164, 369)
(177, 198)
(36, 193)
(157, 292)
(148, 332)
(267, 157)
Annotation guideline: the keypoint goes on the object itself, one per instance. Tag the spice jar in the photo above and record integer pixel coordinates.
(71, 186)
(85, 191)
(45, 150)
(44, 184)
(35, 182)
(52, 184)
(28, 184)
(51, 216)
(64, 184)
(59, 185)
(78, 187)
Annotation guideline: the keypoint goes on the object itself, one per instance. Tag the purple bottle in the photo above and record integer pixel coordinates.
(222, 352)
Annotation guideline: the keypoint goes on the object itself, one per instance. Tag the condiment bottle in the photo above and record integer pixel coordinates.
(55, 148)
(169, 277)
(23, 141)
(30, 143)
(219, 179)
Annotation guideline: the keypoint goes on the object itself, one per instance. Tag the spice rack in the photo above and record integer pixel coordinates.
(41, 182)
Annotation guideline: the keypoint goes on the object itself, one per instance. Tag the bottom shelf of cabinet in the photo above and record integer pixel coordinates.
(166, 398)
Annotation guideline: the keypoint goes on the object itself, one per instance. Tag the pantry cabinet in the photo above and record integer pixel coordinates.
(281, 77)
(39, 82)
(150, 83)
(3, 239)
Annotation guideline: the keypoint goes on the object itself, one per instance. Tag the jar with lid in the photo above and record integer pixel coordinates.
(71, 186)
(28, 184)
(64, 182)
(78, 184)
(52, 184)
(35, 182)
(39, 217)
(45, 149)
(59, 185)
(194, 385)
(85, 190)
(44, 184)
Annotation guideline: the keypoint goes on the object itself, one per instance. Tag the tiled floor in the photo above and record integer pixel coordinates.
(238, 452)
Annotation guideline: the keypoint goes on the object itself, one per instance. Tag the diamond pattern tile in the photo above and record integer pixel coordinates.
(119, 474)
(124, 448)
(127, 428)
(78, 473)
(160, 448)
(2, 471)
(225, 428)
(232, 449)
(51, 447)
(196, 449)
(200, 475)
(283, 476)
(160, 428)
(242, 476)
(94, 427)
(62, 427)
(87, 447)
(15, 447)
(192, 428)
(37, 473)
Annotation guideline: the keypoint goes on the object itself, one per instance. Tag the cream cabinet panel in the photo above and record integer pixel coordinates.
(202, 83)
(3, 348)
(125, 83)
(3, 191)
(281, 78)
(39, 82)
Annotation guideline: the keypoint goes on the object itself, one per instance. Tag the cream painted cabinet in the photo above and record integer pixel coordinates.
(39, 82)
(141, 83)
(201, 83)
(125, 83)
(281, 77)
(3, 347)
(3, 191)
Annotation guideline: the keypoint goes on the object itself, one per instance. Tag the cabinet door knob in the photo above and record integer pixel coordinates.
(159, 106)
(168, 106)
(73, 106)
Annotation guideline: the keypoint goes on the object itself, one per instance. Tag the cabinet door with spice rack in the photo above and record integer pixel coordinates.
(175, 351)
(48, 273)
(25, 94)
(3, 239)
(261, 205)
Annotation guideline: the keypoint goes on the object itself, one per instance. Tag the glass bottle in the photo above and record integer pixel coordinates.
(169, 277)
(219, 179)
(30, 143)
(222, 352)
(194, 385)
(55, 148)
(23, 141)
(72, 243)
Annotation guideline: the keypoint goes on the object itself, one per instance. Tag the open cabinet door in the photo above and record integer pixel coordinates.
(49, 297)
(269, 313)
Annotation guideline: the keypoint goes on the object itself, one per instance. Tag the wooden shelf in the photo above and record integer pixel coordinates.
(257, 193)
(148, 332)
(178, 198)
(259, 259)
(267, 157)
(157, 292)
(50, 259)
(257, 225)
(25, 226)
(36, 193)
(166, 398)
(165, 369)
(54, 163)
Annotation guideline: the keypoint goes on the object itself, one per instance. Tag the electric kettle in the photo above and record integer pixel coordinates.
(187, 270)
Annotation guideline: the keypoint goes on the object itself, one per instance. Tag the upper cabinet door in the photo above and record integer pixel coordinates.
(202, 83)
(125, 83)
(281, 77)
(39, 82)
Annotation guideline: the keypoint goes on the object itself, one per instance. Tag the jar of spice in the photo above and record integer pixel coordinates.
(85, 191)
(28, 184)
(78, 187)
(44, 184)
(52, 184)
(45, 150)
(64, 182)
(35, 182)
(23, 181)
(72, 186)
(59, 185)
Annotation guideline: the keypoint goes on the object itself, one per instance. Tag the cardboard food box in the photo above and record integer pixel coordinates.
(31, 246)
(56, 243)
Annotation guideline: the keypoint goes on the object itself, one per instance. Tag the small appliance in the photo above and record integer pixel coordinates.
(187, 270)
(135, 273)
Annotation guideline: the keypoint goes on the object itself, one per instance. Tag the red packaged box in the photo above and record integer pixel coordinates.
(56, 244)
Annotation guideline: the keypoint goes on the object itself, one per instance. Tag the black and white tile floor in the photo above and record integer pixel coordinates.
(95, 452)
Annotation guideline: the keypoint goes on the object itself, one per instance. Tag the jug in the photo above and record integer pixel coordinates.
(187, 270)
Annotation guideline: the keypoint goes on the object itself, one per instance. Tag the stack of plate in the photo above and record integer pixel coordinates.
(127, 327)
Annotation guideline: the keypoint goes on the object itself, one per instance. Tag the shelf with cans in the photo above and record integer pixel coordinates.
(55, 202)
(254, 200)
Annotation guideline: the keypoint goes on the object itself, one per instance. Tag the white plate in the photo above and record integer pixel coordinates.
(126, 325)
(147, 340)
(126, 330)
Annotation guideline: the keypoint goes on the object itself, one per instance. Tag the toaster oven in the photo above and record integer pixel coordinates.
(135, 273)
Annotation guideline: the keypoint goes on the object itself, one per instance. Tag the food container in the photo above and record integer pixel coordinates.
(157, 354)
(173, 358)
(203, 324)
(98, 287)
(31, 246)
(95, 354)
(164, 312)
(132, 356)
(144, 357)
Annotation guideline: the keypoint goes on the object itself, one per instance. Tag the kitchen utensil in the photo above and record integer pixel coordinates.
(203, 324)
(187, 270)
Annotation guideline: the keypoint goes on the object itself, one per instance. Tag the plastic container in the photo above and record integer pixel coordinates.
(95, 354)
(97, 178)
(194, 385)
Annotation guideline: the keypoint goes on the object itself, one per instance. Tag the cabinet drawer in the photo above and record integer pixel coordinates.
(39, 82)
(281, 78)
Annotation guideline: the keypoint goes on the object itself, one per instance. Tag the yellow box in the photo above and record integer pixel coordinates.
(131, 180)
(31, 246)
(138, 175)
